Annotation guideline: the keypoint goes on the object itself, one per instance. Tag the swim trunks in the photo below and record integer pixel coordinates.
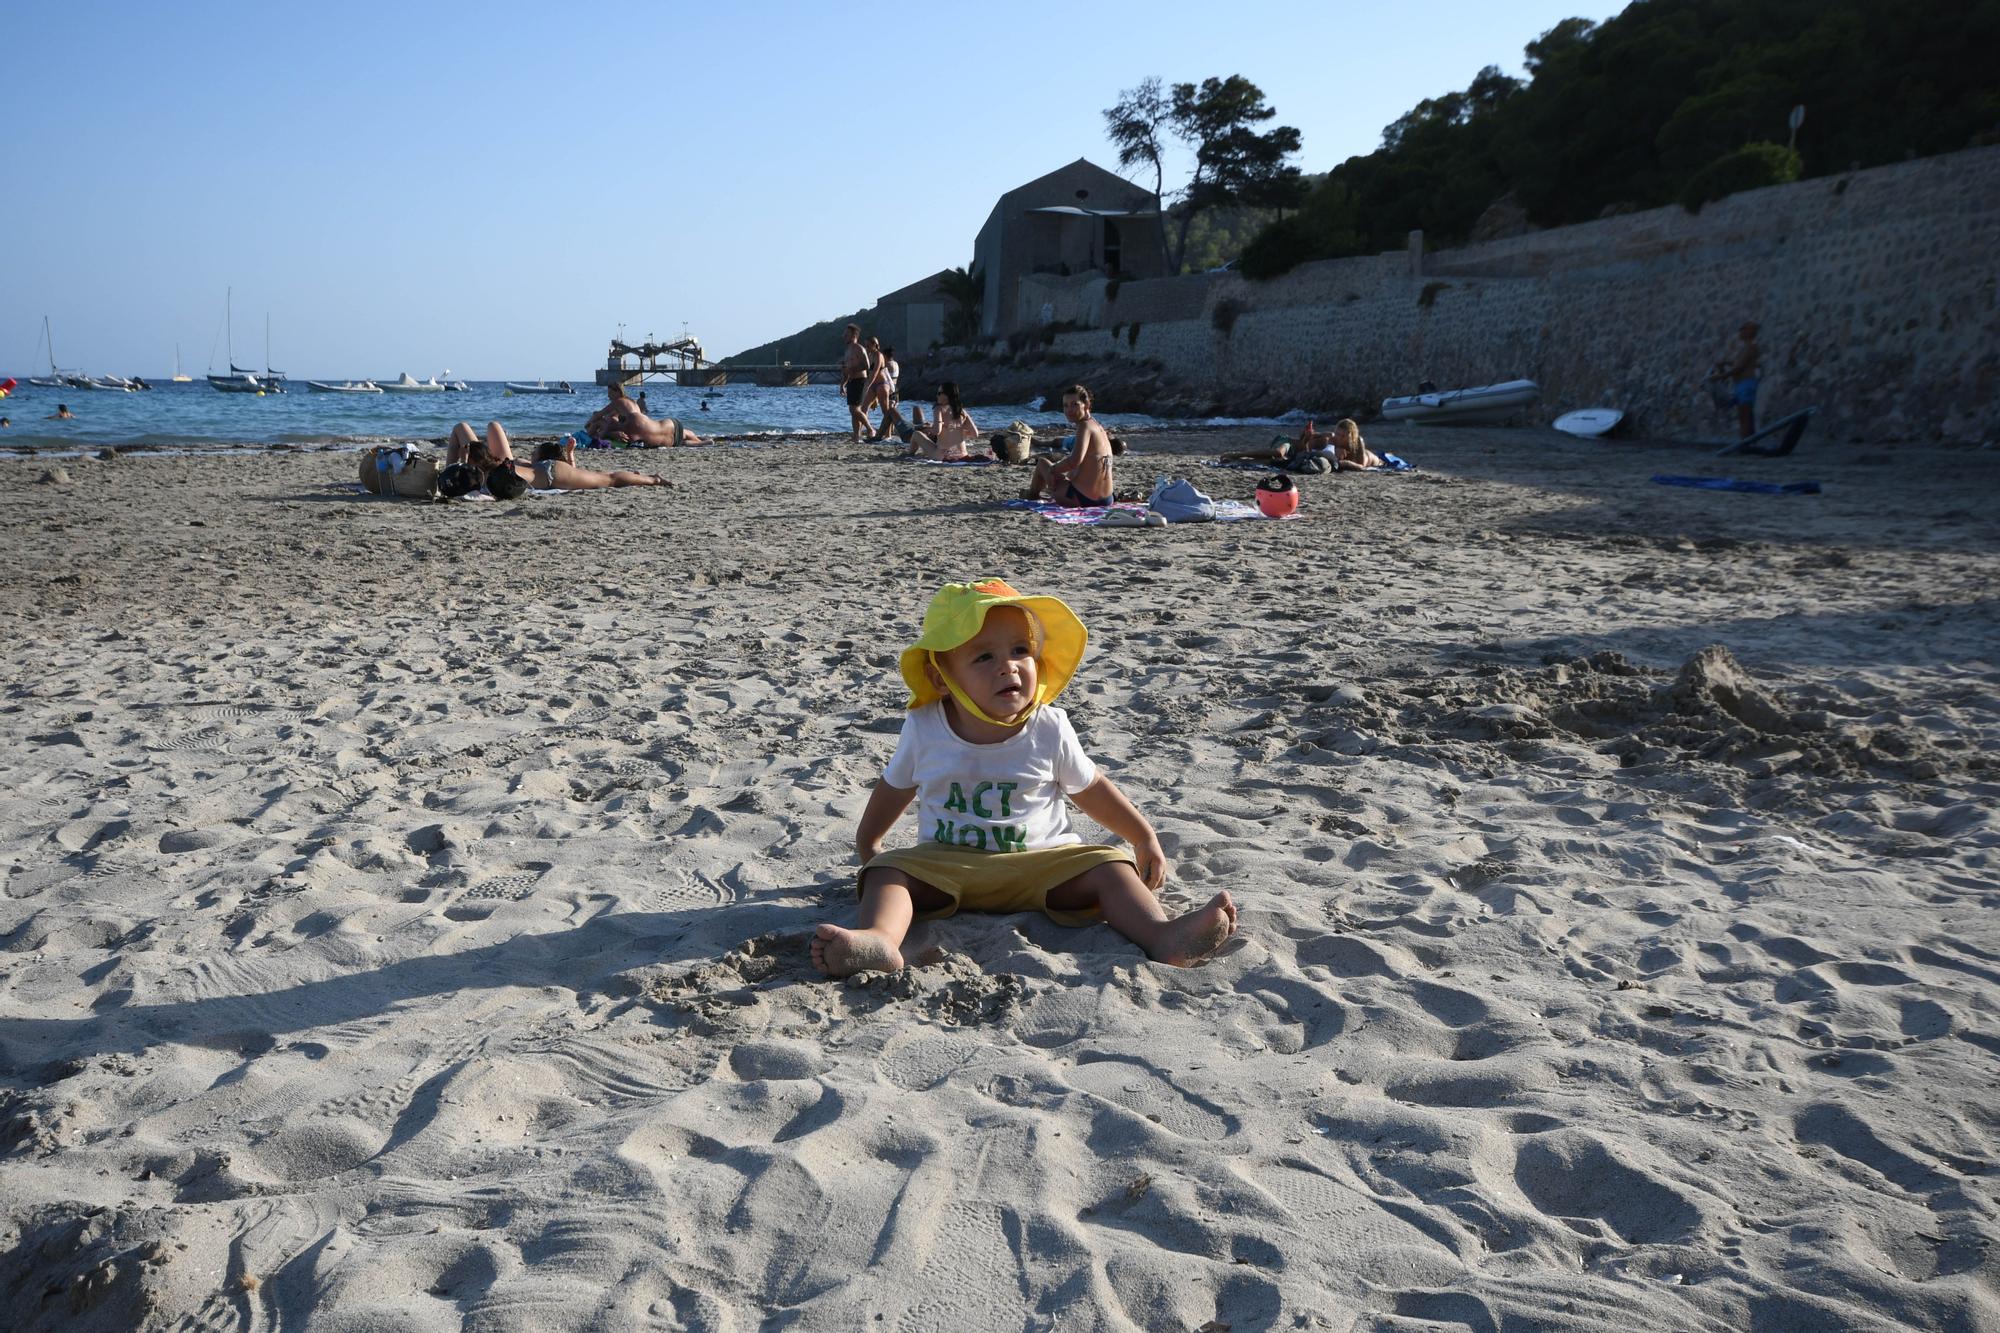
(855, 388)
(1075, 499)
(545, 474)
(1744, 394)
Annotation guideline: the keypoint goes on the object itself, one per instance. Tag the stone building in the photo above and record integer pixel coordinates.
(910, 318)
(1077, 219)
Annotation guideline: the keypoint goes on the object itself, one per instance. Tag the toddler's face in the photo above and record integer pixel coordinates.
(996, 668)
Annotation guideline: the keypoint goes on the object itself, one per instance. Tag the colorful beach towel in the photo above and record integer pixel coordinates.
(1226, 511)
(1733, 484)
(950, 462)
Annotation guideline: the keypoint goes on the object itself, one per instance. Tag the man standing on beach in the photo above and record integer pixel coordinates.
(854, 381)
(1741, 368)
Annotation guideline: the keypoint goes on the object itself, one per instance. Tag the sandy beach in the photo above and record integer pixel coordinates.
(406, 906)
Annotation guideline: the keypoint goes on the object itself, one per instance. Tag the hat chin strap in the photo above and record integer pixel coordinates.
(973, 708)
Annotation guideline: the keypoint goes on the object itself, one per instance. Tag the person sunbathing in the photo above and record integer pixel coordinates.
(507, 477)
(622, 421)
(555, 469)
(1342, 446)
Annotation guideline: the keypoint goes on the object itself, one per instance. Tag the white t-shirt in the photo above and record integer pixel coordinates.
(1006, 797)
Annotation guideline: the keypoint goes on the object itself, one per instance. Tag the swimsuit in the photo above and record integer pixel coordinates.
(855, 388)
(1076, 499)
(545, 474)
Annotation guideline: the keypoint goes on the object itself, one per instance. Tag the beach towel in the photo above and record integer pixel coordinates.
(1733, 484)
(950, 462)
(1226, 511)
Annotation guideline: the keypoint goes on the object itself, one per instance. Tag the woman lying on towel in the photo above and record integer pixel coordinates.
(554, 468)
(622, 421)
(1342, 446)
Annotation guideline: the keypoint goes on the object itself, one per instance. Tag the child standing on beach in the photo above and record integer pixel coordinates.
(989, 759)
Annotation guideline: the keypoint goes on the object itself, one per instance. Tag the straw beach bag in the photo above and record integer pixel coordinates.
(1015, 443)
(400, 469)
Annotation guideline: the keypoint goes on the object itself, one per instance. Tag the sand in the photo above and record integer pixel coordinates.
(406, 907)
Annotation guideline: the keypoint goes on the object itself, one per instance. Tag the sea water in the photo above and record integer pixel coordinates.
(198, 418)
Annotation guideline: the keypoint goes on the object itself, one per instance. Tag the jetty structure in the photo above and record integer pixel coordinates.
(682, 361)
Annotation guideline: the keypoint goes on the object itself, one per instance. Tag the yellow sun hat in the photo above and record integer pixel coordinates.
(956, 613)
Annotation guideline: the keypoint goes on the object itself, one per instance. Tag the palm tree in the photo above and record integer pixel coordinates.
(965, 288)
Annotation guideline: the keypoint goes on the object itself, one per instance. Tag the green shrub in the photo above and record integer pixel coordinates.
(1750, 167)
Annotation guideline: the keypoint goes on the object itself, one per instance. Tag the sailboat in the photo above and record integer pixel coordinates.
(274, 380)
(238, 380)
(178, 377)
(55, 379)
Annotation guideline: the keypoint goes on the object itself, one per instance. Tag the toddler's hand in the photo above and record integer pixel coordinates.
(1152, 863)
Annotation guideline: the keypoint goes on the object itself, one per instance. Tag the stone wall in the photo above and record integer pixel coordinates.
(1875, 290)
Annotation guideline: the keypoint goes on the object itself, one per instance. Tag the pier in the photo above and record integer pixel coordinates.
(683, 362)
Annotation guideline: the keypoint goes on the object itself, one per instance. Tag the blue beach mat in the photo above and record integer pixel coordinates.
(950, 462)
(1734, 484)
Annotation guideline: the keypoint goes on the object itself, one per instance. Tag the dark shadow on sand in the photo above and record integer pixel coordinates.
(581, 959)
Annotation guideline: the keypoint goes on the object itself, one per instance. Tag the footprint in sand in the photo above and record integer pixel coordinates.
(1139, 1087)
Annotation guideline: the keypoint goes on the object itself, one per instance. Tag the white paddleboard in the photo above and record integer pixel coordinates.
(1589, 422)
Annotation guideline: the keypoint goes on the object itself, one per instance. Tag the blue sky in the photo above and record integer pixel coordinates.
(496, 188)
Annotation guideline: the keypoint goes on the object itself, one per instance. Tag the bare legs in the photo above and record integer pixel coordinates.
(1043, 482)
(889, 901)
(568, 477)
(496, 448)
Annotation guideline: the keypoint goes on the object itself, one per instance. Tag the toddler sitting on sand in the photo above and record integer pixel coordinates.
(989, 760)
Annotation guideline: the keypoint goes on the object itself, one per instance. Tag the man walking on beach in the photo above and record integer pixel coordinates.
(854, 381)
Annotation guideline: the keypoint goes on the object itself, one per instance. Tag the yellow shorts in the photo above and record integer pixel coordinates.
(1000, 881)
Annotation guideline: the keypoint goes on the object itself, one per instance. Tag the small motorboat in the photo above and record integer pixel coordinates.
(404, 383)
(1463, 407)
(540, 386)
(346, 386)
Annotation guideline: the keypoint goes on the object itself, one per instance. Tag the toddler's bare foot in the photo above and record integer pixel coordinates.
(1191, 938)
(841, 953)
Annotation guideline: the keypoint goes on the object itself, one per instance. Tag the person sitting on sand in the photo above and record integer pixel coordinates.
(989, 759)
(1342, 446)
(1082, 480)
(946, 437)
(622, 421)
